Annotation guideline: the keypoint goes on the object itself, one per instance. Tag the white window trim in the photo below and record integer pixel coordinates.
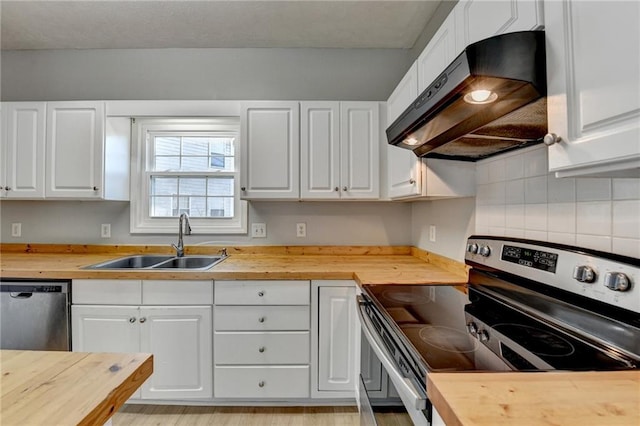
(141, 222)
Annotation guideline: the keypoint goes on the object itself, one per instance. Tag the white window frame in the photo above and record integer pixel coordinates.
(141, 221)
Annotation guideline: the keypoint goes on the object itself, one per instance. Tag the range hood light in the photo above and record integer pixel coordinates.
(410, 141)
(480, 96)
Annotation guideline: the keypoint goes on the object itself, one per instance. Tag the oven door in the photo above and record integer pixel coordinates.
(377, 404)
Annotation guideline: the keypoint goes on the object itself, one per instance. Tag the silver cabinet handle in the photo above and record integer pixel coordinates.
(261, 383)
(261, 319)
(243, 188)
(95, 188)
(551, 138)
(261, 293)
(143, 319)
(132, 320)
(261, 349)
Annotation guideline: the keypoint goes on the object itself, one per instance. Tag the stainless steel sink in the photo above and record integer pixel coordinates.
(153, 261)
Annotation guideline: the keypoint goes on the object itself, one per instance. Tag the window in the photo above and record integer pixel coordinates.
(186, 166)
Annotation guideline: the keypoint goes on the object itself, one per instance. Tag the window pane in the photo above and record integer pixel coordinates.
(220, 186)
(164, 164)
(197, 206)
(193, 186)
(167, 145)
(164, 186)
(220, 207)
(195, 164)
(161, 207)
(222, 146)
(195, 146)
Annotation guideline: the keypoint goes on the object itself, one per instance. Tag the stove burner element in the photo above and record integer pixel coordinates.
(448, 339)
(539, 342)
(405, 297)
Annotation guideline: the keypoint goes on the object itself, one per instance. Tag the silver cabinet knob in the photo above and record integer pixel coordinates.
(244, 188)
(584, 274)
(617, 281)
(344, 188)
(485, 251)
(261, 383)
(95, 188)
(412, 181)
(336, 189)
(8, 188)
(551, 138)
(261, 319)
(261, 349)
(143, 319)
(132, 320)
(261, 293)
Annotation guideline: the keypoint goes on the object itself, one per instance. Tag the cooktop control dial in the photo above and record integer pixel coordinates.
(472, 248)
(485, 251)
(584, 274)
(617, 281)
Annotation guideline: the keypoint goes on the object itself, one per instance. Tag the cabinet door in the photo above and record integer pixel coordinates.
(75, 145)
(180, 339)
(270, 144)
(105, 328)
(403, 167)
(360, 150)
(371, 369)
(24, 149)
(438, 54)
(593, 64)
(3, 148)
(336, 339)
(320, 150)
(480, 19)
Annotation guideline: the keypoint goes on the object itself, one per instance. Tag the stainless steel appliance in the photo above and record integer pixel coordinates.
(489, 100)
(531, 306)
(34, 315)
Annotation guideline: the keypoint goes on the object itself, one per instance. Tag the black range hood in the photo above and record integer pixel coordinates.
(489, 100)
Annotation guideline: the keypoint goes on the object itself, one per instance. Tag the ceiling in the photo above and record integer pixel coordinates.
(90, 24)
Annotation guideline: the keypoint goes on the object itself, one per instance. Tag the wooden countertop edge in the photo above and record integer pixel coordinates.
(441, 404)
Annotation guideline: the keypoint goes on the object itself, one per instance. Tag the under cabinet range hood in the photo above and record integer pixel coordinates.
(490, 99)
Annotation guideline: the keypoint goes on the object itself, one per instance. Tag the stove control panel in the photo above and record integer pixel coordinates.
(600, 276)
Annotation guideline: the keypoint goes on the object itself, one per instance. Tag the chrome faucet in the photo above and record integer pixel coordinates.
(183, 223)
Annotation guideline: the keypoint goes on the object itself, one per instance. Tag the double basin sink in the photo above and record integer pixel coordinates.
(160, 262)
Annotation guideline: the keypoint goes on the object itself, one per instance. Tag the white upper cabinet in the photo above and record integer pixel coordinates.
(593, 69)
(438, 54)
(340, 145)
(270, 149)
(480, 19)
(75, 141)
(23, 146)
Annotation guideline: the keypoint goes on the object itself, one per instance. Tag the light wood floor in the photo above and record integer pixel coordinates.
(168, 415)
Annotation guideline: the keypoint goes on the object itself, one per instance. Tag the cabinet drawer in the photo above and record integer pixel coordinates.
(106, 292)
(261, 382)
(262, 292)
(262, 348)
(172, 292)
(261, 318)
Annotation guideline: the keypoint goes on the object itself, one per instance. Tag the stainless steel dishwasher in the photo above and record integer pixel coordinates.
(34, 315)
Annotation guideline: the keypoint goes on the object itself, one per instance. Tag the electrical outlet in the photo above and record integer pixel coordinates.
(105, 230)
(16, 229)
(432, 233)
(259, 230)
(301, 230)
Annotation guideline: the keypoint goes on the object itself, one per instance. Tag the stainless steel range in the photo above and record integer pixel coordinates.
(531, 306)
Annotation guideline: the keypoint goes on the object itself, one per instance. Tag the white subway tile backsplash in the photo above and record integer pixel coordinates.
(535, 190)
(593, 189)
(595, 242)
(535, 162)
(517, 197)
(514, 191)
(561, 217)
(535, 217)
(561, 190)
(626, 246)
(594, 218)
(626, 219)
(514, 216)
(626, 189)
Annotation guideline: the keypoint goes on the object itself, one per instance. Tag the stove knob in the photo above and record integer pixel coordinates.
(485, 251)
(584, 274)
(483, 335)
(472, 327)
(472, 248)
(617, 281)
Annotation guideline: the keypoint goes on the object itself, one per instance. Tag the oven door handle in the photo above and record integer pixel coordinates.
(403, 384)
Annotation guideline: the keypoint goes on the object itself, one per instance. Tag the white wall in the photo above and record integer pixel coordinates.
(517, 197)
(334, 223)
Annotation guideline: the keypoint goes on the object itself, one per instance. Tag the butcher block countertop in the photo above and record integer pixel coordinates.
(367, 265)
(67, 388)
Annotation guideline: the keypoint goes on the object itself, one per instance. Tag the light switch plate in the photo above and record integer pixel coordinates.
(432, 233)
(16, 229)
(105, 230)
(301, 230)
(259, 230)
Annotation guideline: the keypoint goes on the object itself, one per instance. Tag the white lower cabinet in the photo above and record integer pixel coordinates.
(335, 340)
(262, 340)
(179, 337)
